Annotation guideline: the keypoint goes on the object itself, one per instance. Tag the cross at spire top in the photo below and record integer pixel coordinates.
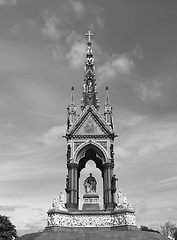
(89, 35)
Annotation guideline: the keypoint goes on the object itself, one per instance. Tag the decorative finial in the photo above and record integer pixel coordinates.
(72, 102)
(89, 35)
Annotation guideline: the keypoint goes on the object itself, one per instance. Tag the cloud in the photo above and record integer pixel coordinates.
(51, 25)
(158, 138)
(76, 55)
(149, 90)
(100, 23)
(167, 182)
(78, 7)
(8, 208)
(8, 2)
(51, 136)
(138, 52)
(28, 25)
(117, 64)
(128, 118)
(122, 152)
(97, 24)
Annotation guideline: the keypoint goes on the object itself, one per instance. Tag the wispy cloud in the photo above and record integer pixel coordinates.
(167, 182)
(9, 208)
(138, 51)
(8, 2)
(116, 64)
(51, 26)
(78, 7)
(76, 54)
(157, 139)
(122, 152)
(149, 90)
(26, 26)
(51, 136)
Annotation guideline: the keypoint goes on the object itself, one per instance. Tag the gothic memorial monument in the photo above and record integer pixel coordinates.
(90, 136)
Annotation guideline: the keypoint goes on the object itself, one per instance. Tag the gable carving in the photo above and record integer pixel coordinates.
(89, 127)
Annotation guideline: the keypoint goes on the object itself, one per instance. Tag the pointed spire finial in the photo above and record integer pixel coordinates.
(108, 109)
(72, 102)
(89, 84)
(107, 102)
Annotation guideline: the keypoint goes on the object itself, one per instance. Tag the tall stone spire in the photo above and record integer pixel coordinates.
(71, 110)
(108, 109)
(89, 84)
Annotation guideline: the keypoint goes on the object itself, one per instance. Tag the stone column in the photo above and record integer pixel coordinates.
(107, 186)
(72, 198)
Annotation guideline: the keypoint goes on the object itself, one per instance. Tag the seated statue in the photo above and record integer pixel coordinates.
(90, 184)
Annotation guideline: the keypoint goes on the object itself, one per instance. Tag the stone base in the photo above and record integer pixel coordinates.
(97, 234)
(91, 202)
(100, 229)
(121, 218)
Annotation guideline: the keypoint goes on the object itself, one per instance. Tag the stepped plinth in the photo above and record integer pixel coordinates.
(91, 202)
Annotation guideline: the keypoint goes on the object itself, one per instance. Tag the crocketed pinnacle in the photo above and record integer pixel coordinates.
(89, 84)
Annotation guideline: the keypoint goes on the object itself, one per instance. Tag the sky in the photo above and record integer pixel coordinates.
(42, 55)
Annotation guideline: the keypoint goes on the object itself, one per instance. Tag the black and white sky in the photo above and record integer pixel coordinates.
(42, 54)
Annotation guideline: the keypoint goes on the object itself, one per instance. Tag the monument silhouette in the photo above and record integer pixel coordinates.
(90, 136)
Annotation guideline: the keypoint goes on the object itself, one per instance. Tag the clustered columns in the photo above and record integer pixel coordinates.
(108, 194)
(72, 187)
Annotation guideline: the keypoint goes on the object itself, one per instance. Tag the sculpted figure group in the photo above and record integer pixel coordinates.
(122, 201)
(59, 203)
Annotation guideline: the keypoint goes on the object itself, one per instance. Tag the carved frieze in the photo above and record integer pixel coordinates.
(107, 220)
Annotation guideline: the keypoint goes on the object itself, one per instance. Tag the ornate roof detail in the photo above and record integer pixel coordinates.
(71, 110)
(108, 109)
(90, 123)
(89, 84)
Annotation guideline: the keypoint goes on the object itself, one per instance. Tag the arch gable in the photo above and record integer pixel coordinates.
(90, 144)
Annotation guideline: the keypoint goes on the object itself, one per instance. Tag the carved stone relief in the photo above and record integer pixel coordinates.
(64, 220)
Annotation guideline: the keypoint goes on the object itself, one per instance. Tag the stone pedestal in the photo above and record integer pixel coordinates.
(123, 219)
(91, 202)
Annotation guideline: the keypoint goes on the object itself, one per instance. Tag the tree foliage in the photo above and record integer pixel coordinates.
(169, 229)
(7, 229)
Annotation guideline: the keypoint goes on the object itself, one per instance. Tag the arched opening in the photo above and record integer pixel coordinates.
(90, 154)
(87, 151)
(90, 167)
(90, 160)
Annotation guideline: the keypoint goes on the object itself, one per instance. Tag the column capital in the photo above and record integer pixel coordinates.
(108, 165)
(72, 165)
